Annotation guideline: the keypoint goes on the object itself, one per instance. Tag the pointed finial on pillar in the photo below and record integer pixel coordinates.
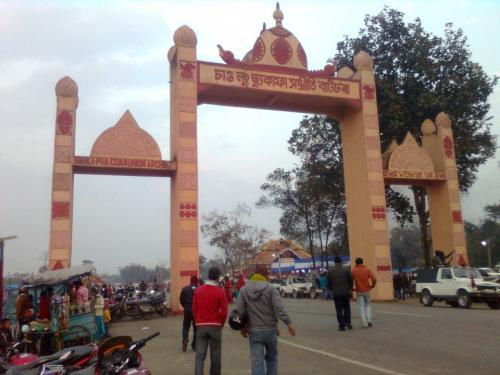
(443, 121)
(185, 36)
(66, 87)
(171, 53)
(428, 127)
(363, 61)
(278, 15)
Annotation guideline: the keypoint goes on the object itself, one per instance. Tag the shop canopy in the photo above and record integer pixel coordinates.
(51, 278)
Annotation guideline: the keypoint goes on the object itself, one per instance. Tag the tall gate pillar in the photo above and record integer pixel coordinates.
(61, 219)
(183, 148)
(444, 198)
(364, 183)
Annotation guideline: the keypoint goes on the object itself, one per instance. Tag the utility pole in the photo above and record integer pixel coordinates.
(2, 241)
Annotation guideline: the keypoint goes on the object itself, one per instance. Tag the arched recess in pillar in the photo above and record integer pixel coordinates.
(433, 166)
(124, 149)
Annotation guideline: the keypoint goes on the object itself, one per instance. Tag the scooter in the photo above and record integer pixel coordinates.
(119, 356)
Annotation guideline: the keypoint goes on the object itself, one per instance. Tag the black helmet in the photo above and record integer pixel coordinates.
(238, 321)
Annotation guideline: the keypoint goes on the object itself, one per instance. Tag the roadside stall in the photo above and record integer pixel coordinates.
(67, 323)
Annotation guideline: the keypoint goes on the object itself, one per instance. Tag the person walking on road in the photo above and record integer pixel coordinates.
(365, 281)
(264, 307)
(210, 313)
(186, 300)
(340, 283)
(400, 285)
(323, 284)
(240, 284)
(228, 289)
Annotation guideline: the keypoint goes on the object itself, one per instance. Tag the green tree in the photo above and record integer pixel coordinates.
(419, 75)
(405, 246)
(311, 196)
(135, 272)
(229, 232)
(484, 237)
(288, 191)
(493, 211)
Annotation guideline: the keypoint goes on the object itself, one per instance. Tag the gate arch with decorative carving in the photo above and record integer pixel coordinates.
(272, 75)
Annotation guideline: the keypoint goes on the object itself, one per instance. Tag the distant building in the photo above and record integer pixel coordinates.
(287, 256)
(280, 253)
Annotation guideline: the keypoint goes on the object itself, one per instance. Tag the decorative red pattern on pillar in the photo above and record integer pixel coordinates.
(64, 123)
(188, 210)
(259, 50)
(58, 266)
(301, 54)
(187, 69)
(457, 216)
(378, 212)
(384, 268)
(448, 146)
(281, 51)
(60, 210)
(189, 273)
(368, 92)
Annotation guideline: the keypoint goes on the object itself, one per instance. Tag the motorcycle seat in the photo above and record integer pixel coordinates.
(62, 356)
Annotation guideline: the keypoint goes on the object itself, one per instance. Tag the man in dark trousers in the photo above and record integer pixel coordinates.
(210, 313)
(340, 283)
(186, 300)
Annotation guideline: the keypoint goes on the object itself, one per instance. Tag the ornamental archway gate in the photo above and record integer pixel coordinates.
(273, 75)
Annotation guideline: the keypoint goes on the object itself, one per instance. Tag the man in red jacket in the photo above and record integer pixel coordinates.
(210, 313)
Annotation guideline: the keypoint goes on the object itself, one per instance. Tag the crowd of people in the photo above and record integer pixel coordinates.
(404, 285)
(45, 307)
(258, 309)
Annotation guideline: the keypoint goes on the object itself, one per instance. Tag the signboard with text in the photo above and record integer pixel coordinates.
(299, 83)
(123, 162)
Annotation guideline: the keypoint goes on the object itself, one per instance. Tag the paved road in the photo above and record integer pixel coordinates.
(406, 339)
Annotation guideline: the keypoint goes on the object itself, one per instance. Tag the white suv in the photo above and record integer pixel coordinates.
(458, 286)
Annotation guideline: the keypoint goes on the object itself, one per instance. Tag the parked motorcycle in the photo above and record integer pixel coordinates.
(136, 309)
(14, 356)
(68, 359)
(119, 356)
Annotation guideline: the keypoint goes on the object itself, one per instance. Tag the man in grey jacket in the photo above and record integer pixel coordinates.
(341, 284)
(264, 307)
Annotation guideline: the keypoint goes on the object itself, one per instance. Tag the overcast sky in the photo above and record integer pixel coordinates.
(116, 52)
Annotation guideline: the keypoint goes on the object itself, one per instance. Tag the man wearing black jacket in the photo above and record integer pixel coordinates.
(186, 300)
(340, 283)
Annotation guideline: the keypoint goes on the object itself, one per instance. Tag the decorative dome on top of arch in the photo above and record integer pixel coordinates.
(275, 46)
(126, 139)
(408, 156)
